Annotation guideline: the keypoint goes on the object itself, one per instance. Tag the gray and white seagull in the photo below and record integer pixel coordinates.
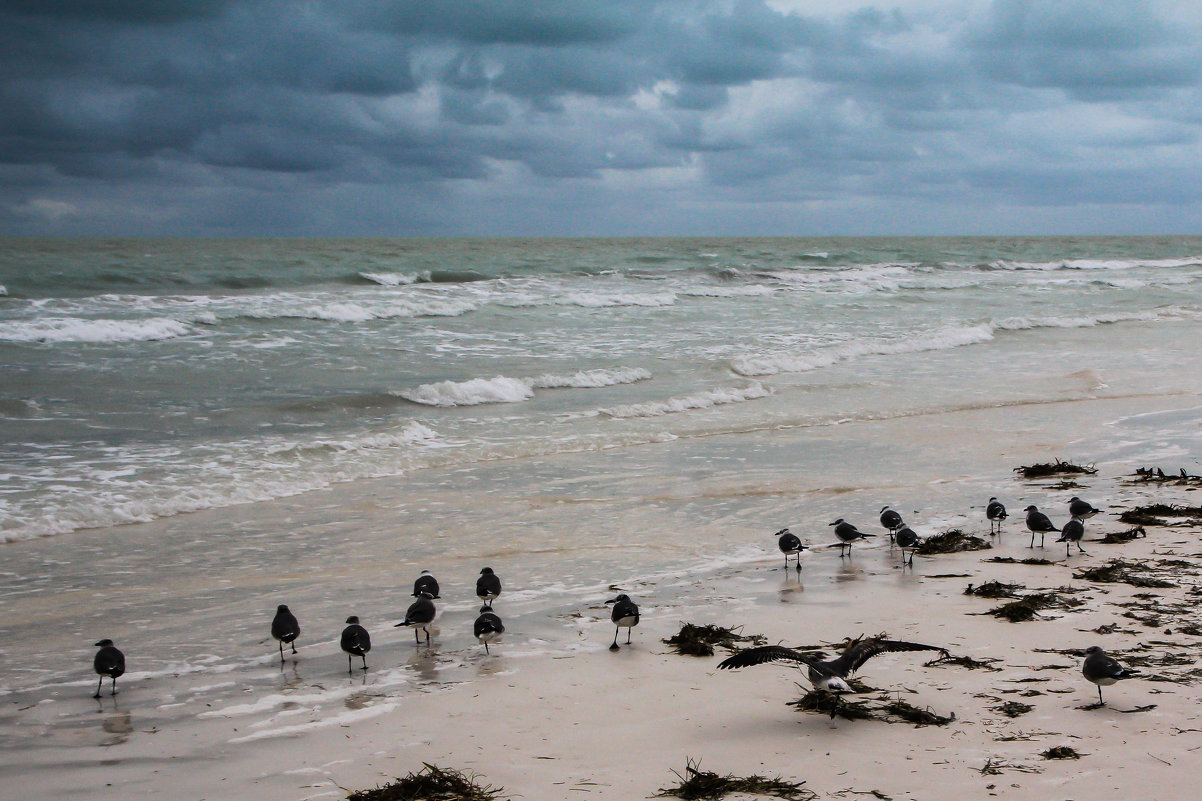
(826, 674)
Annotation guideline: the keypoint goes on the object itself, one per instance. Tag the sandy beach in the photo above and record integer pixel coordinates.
(552, 713)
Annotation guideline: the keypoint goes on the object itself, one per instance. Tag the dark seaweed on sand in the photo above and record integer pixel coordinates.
(1010, 560)
(1119, 571)
(964, 662)
(1120, 537)
(1158, 476)
(1013, 709)
(693, 640)
(1028, 606)
(431, 783)
(1060, 752)
(951, 541)
(994, 589)
(888, 710)
(1053, 469)
(1154, 514)
(704, 784)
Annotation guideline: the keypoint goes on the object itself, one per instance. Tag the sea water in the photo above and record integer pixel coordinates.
(194, 431)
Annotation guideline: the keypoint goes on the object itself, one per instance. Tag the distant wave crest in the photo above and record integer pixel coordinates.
(502, 389)
(76, 329)
(700, 400)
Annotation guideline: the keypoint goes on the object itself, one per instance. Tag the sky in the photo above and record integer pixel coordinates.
(600, 117)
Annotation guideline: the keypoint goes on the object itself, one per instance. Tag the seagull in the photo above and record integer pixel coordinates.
(425, 582)
(420, 615)
(1103, 670)
(625, 615)
(1072, 532)
(789, 544)
(907, 540)
(996, 513)
(487, 628)
(1080, 509)
(830, 674)
(285, 628)
(488, 587)
(109, 662)
(847, 534)
(355, 641)
(891, 520)
(1038, 523)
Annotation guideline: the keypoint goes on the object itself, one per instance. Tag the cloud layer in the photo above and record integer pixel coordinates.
(568, 117)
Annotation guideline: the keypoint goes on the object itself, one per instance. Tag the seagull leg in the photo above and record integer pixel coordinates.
(281, 652)
(486, 647)
(615, 645)
(99, 682)
(1100, 701)
(349, 670)
(293, 644)
(114, 685)
(364, 661)
(628, 630)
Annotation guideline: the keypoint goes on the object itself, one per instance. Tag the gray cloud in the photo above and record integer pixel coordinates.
(557, 116)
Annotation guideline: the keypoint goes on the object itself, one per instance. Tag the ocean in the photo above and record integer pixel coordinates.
(192, 431)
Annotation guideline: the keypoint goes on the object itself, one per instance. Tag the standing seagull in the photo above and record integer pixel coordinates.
(892, 521)
(789, 544)
(625, 615)
(355, 641)
(488, 587)
(109, 662)
(420, 615)
(1103, 670)
(847, 534)
(425, 583)
(285, 628)
(831, 674)
(487, 628)
(1038, 523)
(1072, 532)
(1081, 509)
(995, 512)
(907, 540)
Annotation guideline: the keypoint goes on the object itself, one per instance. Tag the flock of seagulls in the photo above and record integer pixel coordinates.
(824, 674)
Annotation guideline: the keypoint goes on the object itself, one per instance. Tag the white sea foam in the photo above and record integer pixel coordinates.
(74, 329)
(598, 300)
(394, 279)
(753, 290)
(590, 378)
(1096, 264)
(502, 389)
(700, 400)
(499, 389)
(342, 719)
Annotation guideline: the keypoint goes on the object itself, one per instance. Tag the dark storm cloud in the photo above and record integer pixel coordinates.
(465, 115)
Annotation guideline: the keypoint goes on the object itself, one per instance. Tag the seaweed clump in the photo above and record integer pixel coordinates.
(1120, 537)
(693, 640)
(704, 784)
(1060, 752)
(994, 589)
(1154, 515)
(1010, 560)
(1157, 475)
(431, 783)
(1056, 468)
(951, 541)
(1119, 571)
(1028, 607)
(1013, 709)
(890, 711)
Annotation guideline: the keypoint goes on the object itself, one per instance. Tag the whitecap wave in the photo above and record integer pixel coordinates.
(75, 329)
(599, 300)
(394, 279)
(503, 389)
(590, 379)
(700, 400)
(1095, 264)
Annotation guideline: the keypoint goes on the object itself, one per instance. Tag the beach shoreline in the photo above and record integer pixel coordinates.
(552, 714)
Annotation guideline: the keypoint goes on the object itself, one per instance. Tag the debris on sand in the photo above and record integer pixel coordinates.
(964, 662)
(1054, 469)
(1010, 560)
(704, 784)
(951, 541)
(1028, 606)
(1119, 571)
(1060, 752)
(693, 640)
(883, 708)
(1154, 515)
(431, 783)
(1013, 709)
(1120, 537)
(995, 589)
(1157, 475)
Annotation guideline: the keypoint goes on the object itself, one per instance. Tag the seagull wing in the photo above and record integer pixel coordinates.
(765, 653)
(860, 651)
